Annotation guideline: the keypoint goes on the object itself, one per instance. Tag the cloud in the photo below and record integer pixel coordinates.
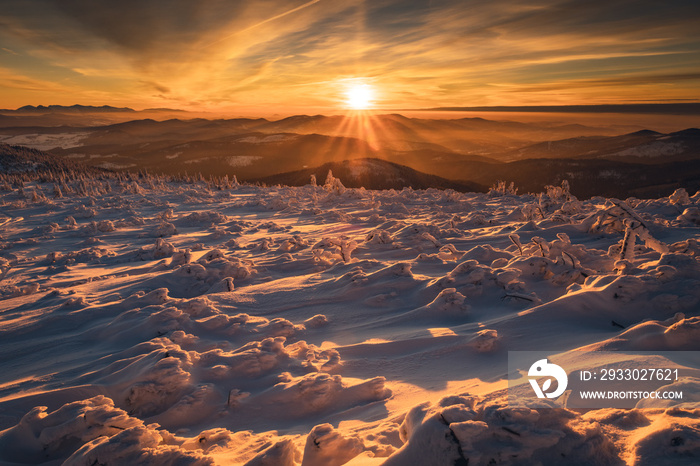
(11, 80)
(158, 87)
(623, 81)
(270, 19)
(439, 52)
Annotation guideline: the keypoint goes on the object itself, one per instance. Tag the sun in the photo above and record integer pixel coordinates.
(360, 96)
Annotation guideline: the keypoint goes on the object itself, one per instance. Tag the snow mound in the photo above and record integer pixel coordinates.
(672, 440)
(199, 218)
(138, 446)
(461, 430)
(325, 446)
(87, 431)
(448, 302)
(319, 392)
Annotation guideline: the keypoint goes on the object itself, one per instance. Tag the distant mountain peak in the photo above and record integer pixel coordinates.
(645, 132)
(688, 133)
(72, 109)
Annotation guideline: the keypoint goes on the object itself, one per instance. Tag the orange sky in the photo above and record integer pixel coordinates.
(300, 56)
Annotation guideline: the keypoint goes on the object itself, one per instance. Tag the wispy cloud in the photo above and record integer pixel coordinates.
(295, 53)
(265, 21)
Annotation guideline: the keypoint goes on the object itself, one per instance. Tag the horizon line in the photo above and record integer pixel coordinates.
(670, 108)
(680, 108)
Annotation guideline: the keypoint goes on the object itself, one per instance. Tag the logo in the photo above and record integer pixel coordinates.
(542, 368)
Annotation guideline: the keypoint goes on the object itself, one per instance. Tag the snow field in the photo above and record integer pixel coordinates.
(152, 321)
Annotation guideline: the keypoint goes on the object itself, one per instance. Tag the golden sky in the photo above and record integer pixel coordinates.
(296, 56)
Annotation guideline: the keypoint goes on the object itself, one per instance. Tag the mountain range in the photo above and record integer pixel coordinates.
(43, 109)
(641, 147)
(463, 154)
(371, 174)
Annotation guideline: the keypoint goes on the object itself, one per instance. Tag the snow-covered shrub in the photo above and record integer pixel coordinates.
(557, 198)
(622, 218)
(379, 236)
(333, 184)
(690, 215)
(163, 230)
(338, 246)
(199, 218)
(501, 188)
(163, 249)
(679, 196)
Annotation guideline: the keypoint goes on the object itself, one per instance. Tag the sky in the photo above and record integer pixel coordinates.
(288, 56)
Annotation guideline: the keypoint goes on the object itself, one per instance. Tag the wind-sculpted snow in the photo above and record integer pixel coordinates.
(154, 321)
